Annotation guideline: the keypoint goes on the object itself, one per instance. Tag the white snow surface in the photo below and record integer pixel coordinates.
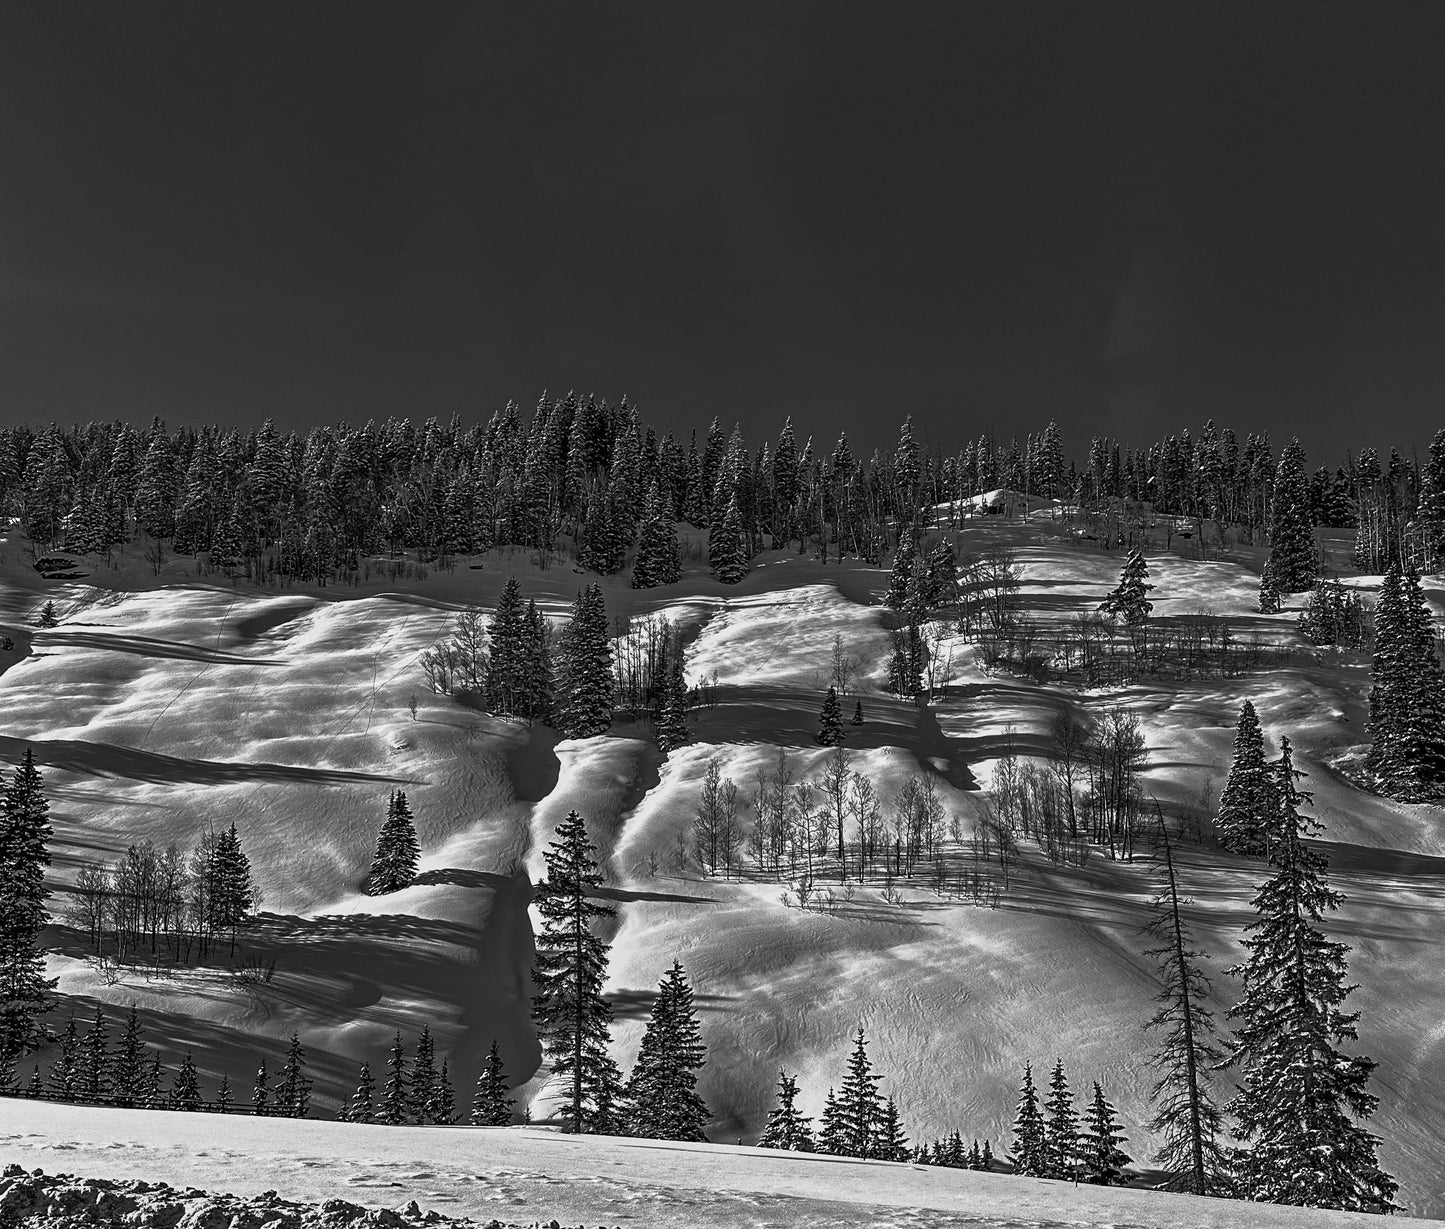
(164, 704)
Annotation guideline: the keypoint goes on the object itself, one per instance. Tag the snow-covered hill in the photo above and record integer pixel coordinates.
(165, 704)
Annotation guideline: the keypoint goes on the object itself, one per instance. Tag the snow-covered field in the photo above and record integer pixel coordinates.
(165, 704)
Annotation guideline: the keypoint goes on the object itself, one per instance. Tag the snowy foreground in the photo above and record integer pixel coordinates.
(164, 704)
(521, 1175)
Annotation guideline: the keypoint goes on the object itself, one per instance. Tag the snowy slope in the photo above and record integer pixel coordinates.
(163, 704)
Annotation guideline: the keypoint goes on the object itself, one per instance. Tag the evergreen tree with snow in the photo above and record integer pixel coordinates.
(507, 657)
(859, 1106)
(260, 1093)
(902, 580)
(1303, 1101)
(661, 1095)
(47, 617)
(153, 1095)
(941, 587)
(1407, 693)
(25, 991)
(1294, 560)
(394, 1099)
(891, 1144)
(186, 1090)
(1248, 806)
(1102, 1159)
(536, 701)
(788, 1128)
(444, 1104)
(832, 1138)
(1334, 615)
(1269, 599)
(127, 1069)
(65, 1066)
(423, 1079)
(1030, 1151)
(857, 714)
(293, 1093)
(671, 720)
(1061, 1127)
(94, 1060)
(1186, 1116)
(361, 1107)
(830, 720)
(584, 669)
(727, 546)
(224, 1096)
(657, 561)
(1128, 603)
(491, 1107)
(393, 866)
(233, 895)
(572, 1018)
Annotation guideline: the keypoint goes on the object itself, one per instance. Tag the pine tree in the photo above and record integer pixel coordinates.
(506, 665)
(423, 1080)
(1061, 1127)
(393, 866)
(153, 1095)
(727, 547)
(787, 1127)
(536, 697)
(1269, 600)
(1030, 1157)
(36, 1088)
(47, 618)
(491, 1107)
(444, 1104)
(830, 720)
(1407, 694)
(657, 554)
(24, 835)
(1291, 530)
(1102, 1158)
(186, 1091)
(224, 1096)
(1127, 602)
(233, 895)
(1302, 1100)
(859, 1107)
(393, 1097)
(1247, 803)
(94, 1061)
(1186, 1116)
(831, 1137)
(891, 1143)
(584, 669)
(662, 1092)
(671, 723)
(65, 1067)
(293, 1093)
(361, 1107)
(260, 1092)
(857, 713)
(902, 579)
(572, 1018)
(127, 1072)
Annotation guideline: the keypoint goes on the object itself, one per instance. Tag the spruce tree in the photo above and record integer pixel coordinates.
(361, 1107)
(1407, 694)
(1061, 1127)
(186, 1090)
(787, 1127)
(1030, 1155)
(47, 617)
(830, 720)
(127, 1068)
(260, 1091)
(657, 554)
(1102, 1159)
(94, 1061)
(224, 1096)
(293, 1093)
(584, 669)
(857, 713)
(903, 578)
(891, 1143)
(671, 721)
(1247, 804)
(727, 546)
(832, 1138)
(1302, 1099)
(24, 835)
(491, 1107)
(506, 663)
(393, 1097)
(1269, 600)
(393, 866)
(1186, 1116)
(65, 1066)
(662, 1098)
(1294, 561)
(572, 1018)
(859, 1107)
(536, 700)
(444, 1103)
(422, 1100)
(1128, 603)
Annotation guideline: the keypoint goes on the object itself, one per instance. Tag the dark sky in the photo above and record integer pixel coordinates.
(1130, 217)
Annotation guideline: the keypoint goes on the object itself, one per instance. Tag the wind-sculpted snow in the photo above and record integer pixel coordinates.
(158, 711)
